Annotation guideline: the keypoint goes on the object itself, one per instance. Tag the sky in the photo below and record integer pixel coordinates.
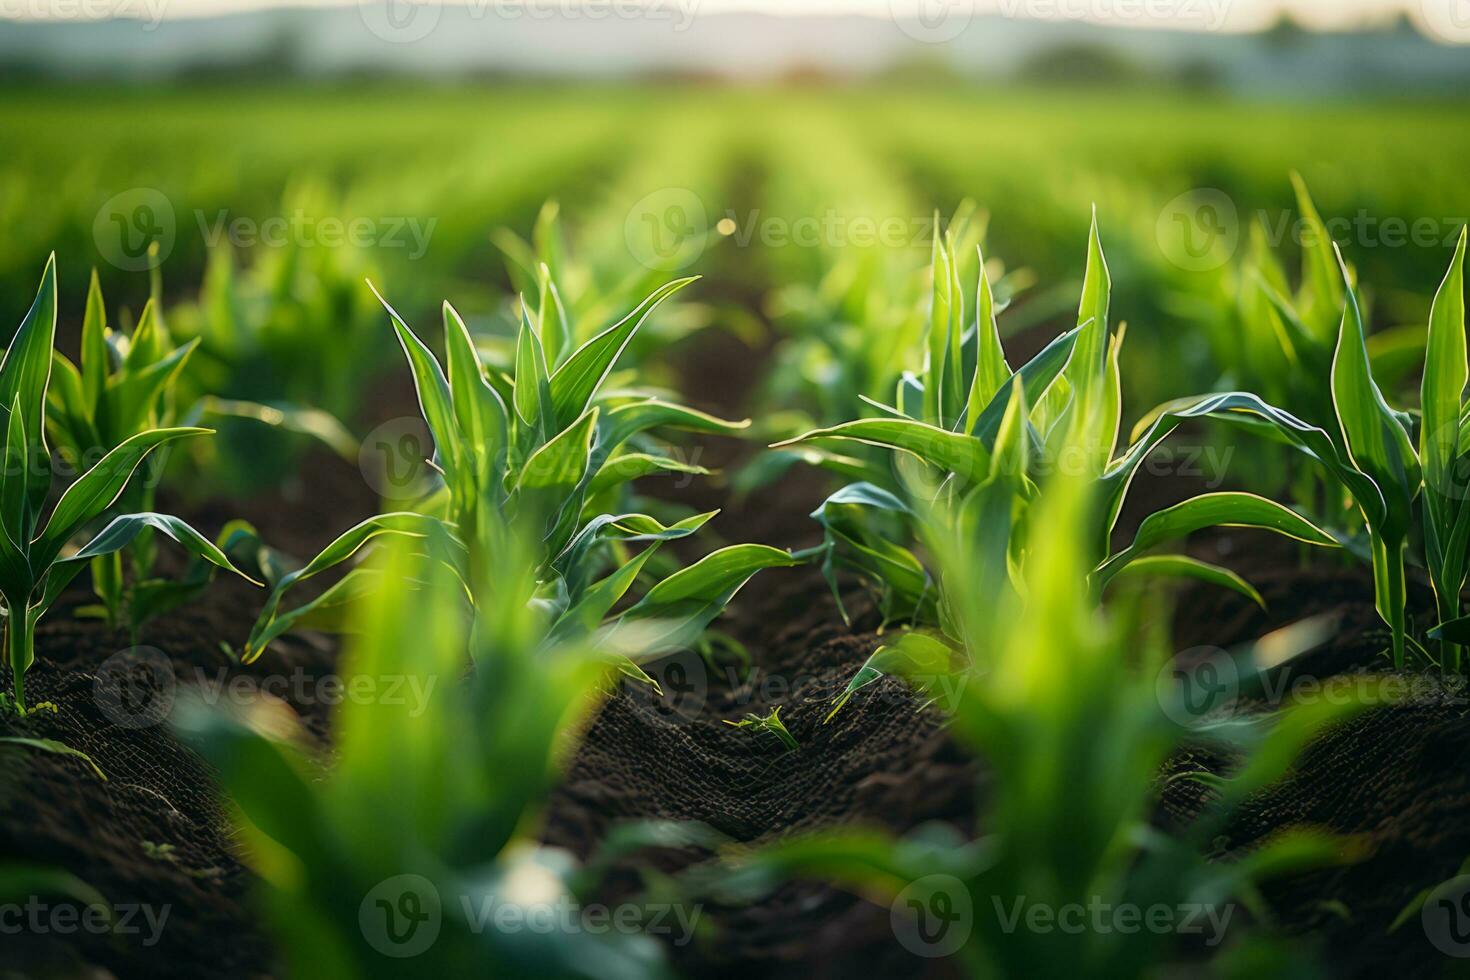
(1237, 14)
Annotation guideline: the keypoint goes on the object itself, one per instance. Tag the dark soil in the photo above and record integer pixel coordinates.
(155, 832)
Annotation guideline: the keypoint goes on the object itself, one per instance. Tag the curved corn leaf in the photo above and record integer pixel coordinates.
(951, 451)
(632, 466)
(1036, 377)
(432, 389)
(97, 489)
(577, 380)
(321, 426)
(25, 374)
(1182, 566)
(621, 423)
(400, 523)
(1442, 393)
(1227, 509)
(50, 745)
(922, 658)
(674, 613)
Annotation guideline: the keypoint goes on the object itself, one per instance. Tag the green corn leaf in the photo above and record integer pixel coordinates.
(98, 488)
(1319, 265)
(1227, 509)
(532, 395)
(400, 523)
(920, 657)
(621, 423)
(70, 413)
(1182, 566)
(1376, 440)
(682, 605)
(25, 374)
(118, 534)
(569, 563)
(319, 425)
(1036, 377)
(96, 356)
(1442, 399)
(557, 467)
(53, 747)
(555, 326)
(576, 381)
(15, 508)
(991, 369)
(950, 451)
(1089, 360)
(477, 407)
(1255, 415)
(632, 466)
(433, 391)
(330, 611)
(135, 392)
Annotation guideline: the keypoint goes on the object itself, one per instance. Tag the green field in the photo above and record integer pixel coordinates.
(754, 492)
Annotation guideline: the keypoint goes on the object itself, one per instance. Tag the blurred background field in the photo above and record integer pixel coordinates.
(420, 176)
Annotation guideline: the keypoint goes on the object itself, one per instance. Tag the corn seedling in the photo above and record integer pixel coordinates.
(1064, 706)
(541, 448)
(1372, 457)
(974, 437)
(431, 801)
(768, 724)
(35, 562)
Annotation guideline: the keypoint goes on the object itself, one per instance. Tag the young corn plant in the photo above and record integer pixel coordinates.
(973, 437)
(544, 449)
(1400, 491)
(587, 288)
(1062, 702)
(287, 342)
(36, 562)
(429, 808)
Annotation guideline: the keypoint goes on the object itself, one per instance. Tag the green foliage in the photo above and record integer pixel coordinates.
(545, 448)
(1061, 700)
(1402, 492)
(35, 563)
(433, 795)
(973, 438)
